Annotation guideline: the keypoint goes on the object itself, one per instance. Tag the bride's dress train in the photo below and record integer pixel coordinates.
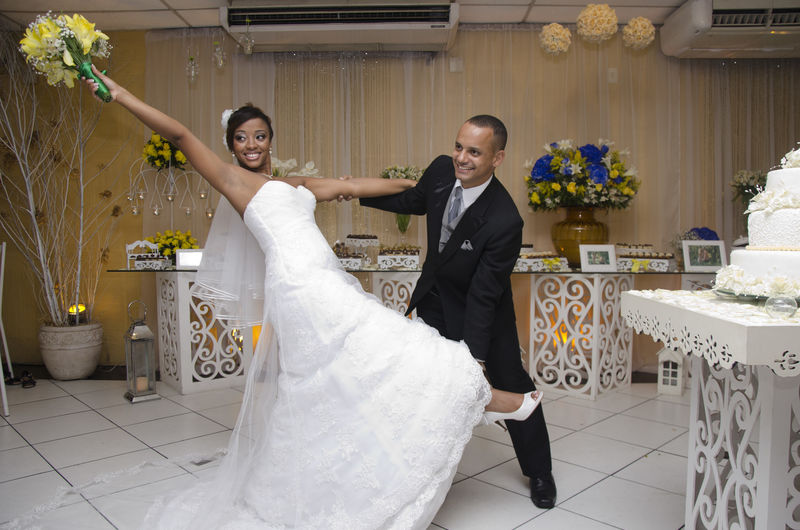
(367, 419)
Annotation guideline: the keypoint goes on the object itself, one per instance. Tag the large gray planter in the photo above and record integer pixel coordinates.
(71, 352)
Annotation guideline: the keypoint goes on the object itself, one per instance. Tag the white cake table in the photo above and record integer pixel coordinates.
(744, 431)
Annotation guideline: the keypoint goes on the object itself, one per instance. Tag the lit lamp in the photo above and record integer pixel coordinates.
(140, 358)
(77, 314)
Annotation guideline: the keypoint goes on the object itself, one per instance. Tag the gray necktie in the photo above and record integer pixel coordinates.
(455, 207)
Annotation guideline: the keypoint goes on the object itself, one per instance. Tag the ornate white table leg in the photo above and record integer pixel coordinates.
(197, 351)
(578, 341)
(744, 448)
(394, 288)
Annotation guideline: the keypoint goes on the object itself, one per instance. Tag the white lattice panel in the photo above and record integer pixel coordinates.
(744, 449)
(578, 341)
(196, 350)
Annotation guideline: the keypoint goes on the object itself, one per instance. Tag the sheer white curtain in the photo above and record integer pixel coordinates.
(689, 124)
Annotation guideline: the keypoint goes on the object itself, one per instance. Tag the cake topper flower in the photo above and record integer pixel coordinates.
(62, 48)
(597, 22)
(638, 33)
(791, 159)
(555, 38)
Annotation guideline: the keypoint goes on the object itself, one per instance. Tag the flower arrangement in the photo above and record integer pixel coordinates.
(747, 184)
(402, 172)
(160, 153)
(555, 38)
(590, 175)
(791, 159)
(597, 22)
(286, 168)
(638, 33)
(62, 48)
(170, 241)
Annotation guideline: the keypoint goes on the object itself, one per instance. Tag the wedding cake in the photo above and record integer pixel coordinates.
(770, 264)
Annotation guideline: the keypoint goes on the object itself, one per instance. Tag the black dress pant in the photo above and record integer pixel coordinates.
(505, 372)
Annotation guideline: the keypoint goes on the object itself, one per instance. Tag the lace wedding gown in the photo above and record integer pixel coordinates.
(367, 419)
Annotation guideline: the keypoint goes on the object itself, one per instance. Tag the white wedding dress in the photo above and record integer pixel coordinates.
(354, 417)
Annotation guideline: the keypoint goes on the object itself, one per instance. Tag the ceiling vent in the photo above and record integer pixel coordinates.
(725, 29)
(331, 27)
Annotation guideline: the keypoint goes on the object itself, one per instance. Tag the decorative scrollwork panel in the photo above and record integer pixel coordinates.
(216, 347)
(579, 342)
(168, 328)
(724, 457)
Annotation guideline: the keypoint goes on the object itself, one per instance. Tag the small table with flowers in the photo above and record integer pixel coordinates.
(744, 440)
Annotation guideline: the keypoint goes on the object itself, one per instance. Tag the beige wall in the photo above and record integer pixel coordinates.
(690, 124)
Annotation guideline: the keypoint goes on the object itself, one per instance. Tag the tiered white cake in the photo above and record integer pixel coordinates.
(771, 263)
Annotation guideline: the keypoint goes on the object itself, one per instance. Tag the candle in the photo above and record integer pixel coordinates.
(141, 384)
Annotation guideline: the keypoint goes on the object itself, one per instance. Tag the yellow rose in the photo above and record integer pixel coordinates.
(180, 157)
(598, 187)
(535, 198)
(555, 186)
(571, 187)
(168, 233)
(157, 162)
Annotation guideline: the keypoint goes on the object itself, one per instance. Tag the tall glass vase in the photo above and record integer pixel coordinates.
(402, 221)
(579, 228)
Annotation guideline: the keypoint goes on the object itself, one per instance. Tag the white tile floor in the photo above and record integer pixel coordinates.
(619, 462)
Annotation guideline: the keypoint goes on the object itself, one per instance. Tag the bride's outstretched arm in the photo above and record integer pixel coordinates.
(237, 184)
(330, 189)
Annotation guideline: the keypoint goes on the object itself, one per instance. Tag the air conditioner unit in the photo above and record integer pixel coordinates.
(733, 29)
(342, 27)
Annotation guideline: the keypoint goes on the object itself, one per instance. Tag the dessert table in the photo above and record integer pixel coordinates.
(744, 430)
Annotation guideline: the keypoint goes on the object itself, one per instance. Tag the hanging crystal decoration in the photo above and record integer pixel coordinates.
(192, 68)
(218, 55)
(137, 186)
(246, 40)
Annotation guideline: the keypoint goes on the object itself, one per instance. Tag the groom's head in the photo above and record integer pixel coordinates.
(479, 149)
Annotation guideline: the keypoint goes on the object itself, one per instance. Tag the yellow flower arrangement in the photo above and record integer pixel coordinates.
(597, 22)
(170, 241)
(160, 153)
(62, 47)
(555, 38)
(638, 33)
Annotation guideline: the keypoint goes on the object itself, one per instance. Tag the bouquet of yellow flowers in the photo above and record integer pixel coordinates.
(404, 172)
(170, 241)
(160, 153)
(590, 175)
(62, 48)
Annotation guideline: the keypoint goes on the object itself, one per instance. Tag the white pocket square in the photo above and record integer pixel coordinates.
(466, 245)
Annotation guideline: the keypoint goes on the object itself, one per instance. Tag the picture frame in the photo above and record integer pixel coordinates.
(598, 258)
(703, 256)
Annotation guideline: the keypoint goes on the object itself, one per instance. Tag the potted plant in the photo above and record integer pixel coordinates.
(52, 211)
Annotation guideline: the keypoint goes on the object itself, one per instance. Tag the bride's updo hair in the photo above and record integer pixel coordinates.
(245, 113)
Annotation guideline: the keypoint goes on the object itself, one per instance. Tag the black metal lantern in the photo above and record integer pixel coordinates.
(140, 358)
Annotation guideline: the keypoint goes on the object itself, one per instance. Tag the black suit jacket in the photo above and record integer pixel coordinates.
(472, 273)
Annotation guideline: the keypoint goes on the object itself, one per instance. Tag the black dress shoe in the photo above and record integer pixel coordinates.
(543, 491)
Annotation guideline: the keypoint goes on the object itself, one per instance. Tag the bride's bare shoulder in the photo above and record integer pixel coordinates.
(241, 186)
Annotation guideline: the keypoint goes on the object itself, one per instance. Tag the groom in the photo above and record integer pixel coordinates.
(464, 291)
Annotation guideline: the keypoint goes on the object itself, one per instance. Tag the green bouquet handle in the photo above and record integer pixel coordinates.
(85, 69)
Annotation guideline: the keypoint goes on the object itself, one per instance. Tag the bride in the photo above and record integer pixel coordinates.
(353, 415)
